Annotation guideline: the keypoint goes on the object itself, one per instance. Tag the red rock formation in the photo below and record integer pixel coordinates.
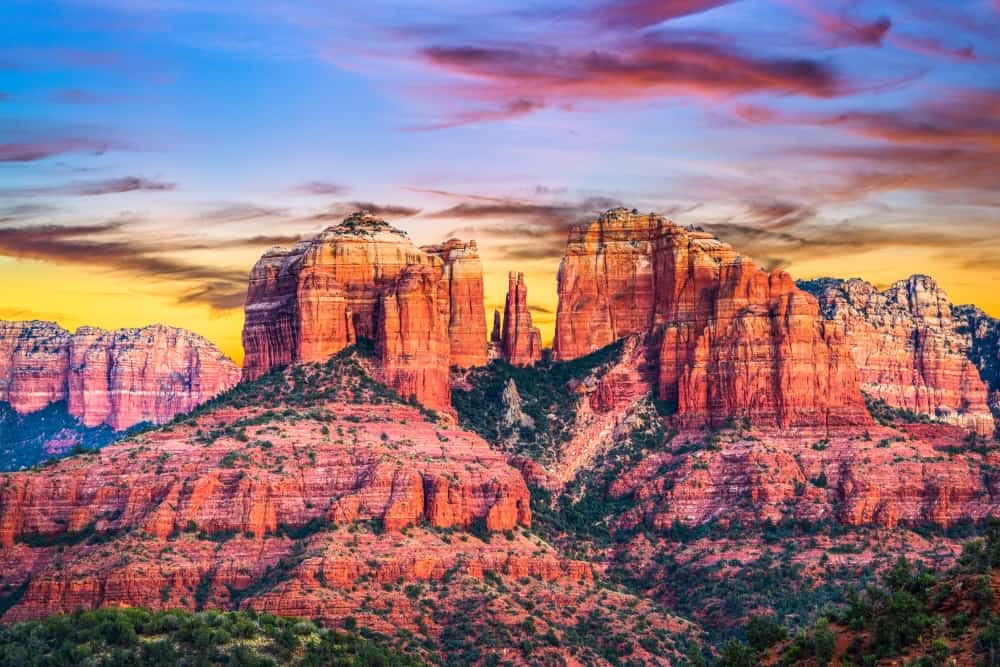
(310, 302)
(734, 341)
(607, 288)
(128, 376)
(33, 364)
(411, 341)
(521, 342)
(310, 493)
(119, 378)
(908, 348)
(887, 477)
(462, 284)
(390, 469)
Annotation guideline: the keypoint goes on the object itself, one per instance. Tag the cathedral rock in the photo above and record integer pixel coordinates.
(422, 307)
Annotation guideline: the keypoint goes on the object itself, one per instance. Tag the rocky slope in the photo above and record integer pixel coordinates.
(724, 522)
(365, 279)
(731, 341)
(908, 347)
(317, 492)
(110, 378)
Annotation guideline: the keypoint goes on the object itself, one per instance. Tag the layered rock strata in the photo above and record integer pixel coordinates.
(118, 378)
(365, 279)
(731, 340)
(909, 348)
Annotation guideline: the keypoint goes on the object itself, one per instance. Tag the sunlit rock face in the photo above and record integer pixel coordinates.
(910, 349)
(462, 289)
(423, 308)
(731, 340)
(119, 378)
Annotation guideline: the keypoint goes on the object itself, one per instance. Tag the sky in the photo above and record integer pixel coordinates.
(151, 151)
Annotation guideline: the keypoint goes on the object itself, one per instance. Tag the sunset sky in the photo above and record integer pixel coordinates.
(150, 151)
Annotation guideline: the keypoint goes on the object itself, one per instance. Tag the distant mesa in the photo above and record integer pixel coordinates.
(104, 379)
(909, 347)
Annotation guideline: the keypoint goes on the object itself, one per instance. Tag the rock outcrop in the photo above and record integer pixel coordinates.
(521, 343)
(462, 285)
(513, 415)
(411, 339)
(908, 475)
(732, 341)
(118, 378)
(982, 335)
(909, 348)
(365, 279)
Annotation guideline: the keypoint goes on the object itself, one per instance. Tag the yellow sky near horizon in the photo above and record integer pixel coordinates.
(76, 295)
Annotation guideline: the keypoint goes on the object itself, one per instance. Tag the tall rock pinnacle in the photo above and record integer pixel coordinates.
(521, 342)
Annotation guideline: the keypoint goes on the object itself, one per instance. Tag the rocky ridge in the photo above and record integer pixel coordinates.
(909, 348)
(115, 378)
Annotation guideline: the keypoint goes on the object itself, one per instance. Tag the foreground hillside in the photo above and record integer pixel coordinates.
(168, 638)
(912, 617)
(316, 492)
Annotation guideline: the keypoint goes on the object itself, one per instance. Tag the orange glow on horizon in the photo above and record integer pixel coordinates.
(74, 296)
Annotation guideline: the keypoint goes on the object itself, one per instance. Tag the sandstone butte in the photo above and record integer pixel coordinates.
(119, 378)
(730, 340)
(363, 278)
(311, 492)
(909, 348)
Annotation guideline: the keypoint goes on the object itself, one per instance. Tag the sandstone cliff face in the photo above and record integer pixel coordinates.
(360, 279)
(128, 376)
(909, 349)
(119, 378)
(412, 341)
(521, 343)
(607, 287)
(733, 341)
(462, 285)
(33, 364)
(982, 335)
